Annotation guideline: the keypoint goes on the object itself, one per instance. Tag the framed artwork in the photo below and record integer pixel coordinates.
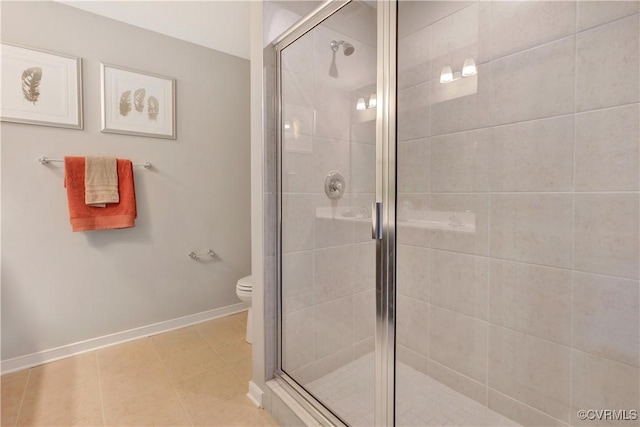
(138, 103)
(40, 87)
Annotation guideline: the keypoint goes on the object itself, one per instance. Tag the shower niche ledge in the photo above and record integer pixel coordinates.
(460, 222)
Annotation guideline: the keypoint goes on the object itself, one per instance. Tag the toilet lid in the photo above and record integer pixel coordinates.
(244, 288)
(245, 283)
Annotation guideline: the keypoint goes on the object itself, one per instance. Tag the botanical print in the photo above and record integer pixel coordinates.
(40, 88)
(154, 108)
(137, 103)
(31, 78)
(138, 99)
(125, 103)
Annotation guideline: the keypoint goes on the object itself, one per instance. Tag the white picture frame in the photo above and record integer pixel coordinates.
(40, 87)
(137, 103)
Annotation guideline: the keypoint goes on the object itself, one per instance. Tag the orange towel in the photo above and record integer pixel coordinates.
(114, 215)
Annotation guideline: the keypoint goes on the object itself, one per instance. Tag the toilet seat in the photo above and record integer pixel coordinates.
(244, 291)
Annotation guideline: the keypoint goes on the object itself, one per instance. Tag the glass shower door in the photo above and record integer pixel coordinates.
(327, 184)
(518, 213)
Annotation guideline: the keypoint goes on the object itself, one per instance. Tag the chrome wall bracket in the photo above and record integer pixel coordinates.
(334, 185)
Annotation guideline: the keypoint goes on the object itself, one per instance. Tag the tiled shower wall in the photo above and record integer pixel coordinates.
(328, 261)
(536, 311)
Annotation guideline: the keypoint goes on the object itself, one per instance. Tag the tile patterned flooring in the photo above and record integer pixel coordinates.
(420, 400)
(193, 376)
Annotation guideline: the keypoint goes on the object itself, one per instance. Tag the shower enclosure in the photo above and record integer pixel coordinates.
(455, 194)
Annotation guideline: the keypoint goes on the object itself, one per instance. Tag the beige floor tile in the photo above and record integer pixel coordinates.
(176, 342)
(243, 369)
(240, 318)
(13, 388)
(238, 411)
(231, 349)
(70, 373)
(149, 407)
(221, 329)
(55, 404)
(194, 360)
(203, 391)
(141, 350)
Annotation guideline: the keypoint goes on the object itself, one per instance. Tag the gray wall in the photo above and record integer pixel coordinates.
(60, 287)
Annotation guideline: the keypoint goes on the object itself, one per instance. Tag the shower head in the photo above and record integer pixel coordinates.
(347, 48)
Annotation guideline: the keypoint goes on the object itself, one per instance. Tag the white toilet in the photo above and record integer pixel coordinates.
(244, 289)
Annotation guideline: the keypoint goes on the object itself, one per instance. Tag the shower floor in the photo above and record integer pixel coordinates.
(420, 400)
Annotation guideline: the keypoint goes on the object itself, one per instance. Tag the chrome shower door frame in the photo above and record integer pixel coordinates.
(385, 194)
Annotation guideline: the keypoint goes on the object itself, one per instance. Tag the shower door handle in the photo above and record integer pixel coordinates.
(376, 221)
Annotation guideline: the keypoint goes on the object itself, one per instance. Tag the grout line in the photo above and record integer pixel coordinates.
(173, 385)
(573, 214)
(24, 393)
(495, 258)
(104, 422)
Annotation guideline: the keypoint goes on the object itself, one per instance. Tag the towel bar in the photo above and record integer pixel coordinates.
(194, 255)
(45, 160)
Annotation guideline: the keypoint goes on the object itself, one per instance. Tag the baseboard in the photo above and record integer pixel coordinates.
(46, 356)
(255, 394)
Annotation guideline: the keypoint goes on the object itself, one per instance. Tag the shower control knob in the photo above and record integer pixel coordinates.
(334, 185)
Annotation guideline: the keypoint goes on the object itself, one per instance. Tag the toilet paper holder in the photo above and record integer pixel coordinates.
(194, 255)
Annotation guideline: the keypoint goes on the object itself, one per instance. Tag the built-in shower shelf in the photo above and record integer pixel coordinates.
(460, 222)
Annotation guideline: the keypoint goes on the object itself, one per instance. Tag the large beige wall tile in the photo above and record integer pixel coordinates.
(534, 84)
(332, 231)
(519, 412)
(532, 156)
(460, 383)
(460, 162)
(298, 216)
(363, 269)
(412, 359)
(453, 240)
(364, 315)
(414, 171)
(459, 282)
(606, 321)
(297, 339)
(517, 26)
(458, 342)
(412, 271)
(298, 56)
(593, 13)
(297, 89)
(333, 326)
(460, 113)
(461, 35)
(412, 321)
(531, 370)
(297, 281)
(414, 58)
(533, 228)
(607, 150)
(599, 383)
(330, 155)
(333, 111)
(332, 273)
(532, 299)
(608, 65)
(414, 106)
(298, 169)
(607, 234)
(363, 168)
